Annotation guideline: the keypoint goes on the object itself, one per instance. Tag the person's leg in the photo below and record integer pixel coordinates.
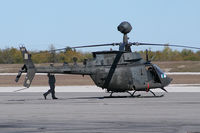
(47, 93)
(53, 91)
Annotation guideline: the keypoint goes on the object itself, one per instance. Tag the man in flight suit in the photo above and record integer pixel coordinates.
(52, 82)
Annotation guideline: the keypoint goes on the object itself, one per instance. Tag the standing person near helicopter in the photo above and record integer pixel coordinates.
(52, 82)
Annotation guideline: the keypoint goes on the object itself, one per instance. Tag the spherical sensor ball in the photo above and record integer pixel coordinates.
(124, 27)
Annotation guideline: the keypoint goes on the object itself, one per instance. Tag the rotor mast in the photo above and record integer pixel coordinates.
(125, 28)
(125, 41)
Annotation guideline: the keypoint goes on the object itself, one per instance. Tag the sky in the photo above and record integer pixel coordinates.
(38, 23)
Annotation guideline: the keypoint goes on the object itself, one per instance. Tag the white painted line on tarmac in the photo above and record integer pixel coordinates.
(182, 73)
(15, 74)
(58, 89)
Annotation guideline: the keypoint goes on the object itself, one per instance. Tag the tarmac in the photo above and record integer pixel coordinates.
(92, 112)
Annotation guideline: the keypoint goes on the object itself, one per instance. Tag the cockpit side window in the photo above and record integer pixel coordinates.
(153, 74)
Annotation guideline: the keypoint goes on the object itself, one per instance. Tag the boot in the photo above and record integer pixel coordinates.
(45, 96)
(54, 97)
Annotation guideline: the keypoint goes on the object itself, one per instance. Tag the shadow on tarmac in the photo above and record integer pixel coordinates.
(113, 97)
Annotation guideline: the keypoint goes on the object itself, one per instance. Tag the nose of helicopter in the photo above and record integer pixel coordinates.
(167, 81)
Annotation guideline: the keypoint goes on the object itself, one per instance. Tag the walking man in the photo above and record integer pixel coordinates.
(52, 82)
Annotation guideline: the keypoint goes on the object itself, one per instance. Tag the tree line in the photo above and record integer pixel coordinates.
(13, 55)
(167, 54)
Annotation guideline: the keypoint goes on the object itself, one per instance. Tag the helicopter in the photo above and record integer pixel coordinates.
(116, 71)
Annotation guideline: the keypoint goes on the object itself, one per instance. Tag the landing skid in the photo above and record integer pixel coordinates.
(133, 95)
(137, 96)
(155, 94)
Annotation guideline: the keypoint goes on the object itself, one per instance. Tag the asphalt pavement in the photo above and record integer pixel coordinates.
(91, 112)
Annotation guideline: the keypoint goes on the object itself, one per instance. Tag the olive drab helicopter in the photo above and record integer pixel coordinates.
(116, 71)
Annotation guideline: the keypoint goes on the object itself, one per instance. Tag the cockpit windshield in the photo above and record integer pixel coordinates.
(158, 69)
(159, 72)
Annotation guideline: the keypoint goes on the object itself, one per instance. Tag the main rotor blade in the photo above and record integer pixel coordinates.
(84, 46)
(98, 45)
(171, 45)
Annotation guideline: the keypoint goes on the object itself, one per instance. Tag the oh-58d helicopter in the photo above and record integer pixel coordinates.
(115, 71)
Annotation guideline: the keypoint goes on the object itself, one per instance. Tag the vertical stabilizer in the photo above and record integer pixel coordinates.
(29, 67)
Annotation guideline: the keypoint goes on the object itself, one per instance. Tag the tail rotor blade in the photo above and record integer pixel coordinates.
(18, 76)
(23, 69)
